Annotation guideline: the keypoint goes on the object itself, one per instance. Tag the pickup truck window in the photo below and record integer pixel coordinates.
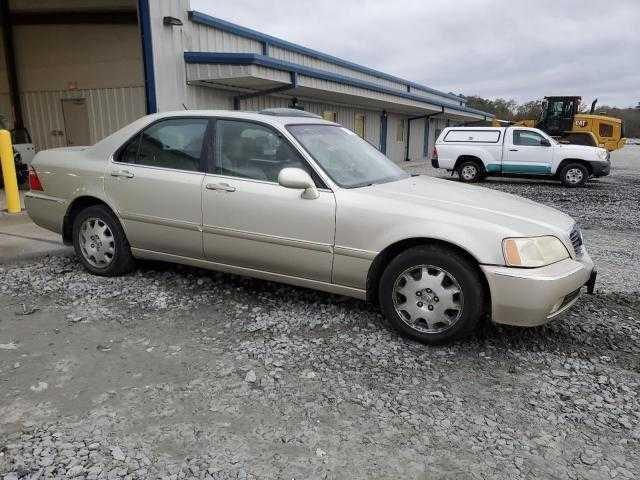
(473, 136)
(527, 138)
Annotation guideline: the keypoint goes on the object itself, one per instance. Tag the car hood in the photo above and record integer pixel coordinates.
(516, 214)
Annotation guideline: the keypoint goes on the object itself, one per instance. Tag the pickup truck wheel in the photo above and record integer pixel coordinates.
(432, 294)
(470, 172)
(574, 175)
(100, 242)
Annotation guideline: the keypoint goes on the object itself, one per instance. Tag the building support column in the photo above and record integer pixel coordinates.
(144, 16)
(383, 132)
(10, 60)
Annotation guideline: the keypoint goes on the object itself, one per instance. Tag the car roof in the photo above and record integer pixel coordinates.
(255, 116)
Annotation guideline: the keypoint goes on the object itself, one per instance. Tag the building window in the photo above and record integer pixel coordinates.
(359, 124)
(400, 131)
(606, 130)
(330, 116)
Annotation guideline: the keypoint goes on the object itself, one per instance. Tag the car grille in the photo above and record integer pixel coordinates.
(576, 239)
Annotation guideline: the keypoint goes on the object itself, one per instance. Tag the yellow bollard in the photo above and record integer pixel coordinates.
(9, 172)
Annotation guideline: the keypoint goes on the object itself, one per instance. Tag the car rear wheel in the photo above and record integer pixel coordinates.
(100, 242)
(432, 294)
(574, 175)
(470, 172)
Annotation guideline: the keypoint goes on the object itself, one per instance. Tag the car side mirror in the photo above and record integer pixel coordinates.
(300, 180)
(545, 143)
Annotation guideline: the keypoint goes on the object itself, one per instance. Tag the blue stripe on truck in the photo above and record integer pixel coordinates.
(518, 168)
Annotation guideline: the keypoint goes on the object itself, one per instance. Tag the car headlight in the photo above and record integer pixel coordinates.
(533, 251)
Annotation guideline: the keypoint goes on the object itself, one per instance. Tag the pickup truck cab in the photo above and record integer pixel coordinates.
(477, 152)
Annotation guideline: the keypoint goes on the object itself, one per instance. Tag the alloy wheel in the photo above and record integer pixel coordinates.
(97, 243)
(574, 176)
(469, 172)
(427, 298)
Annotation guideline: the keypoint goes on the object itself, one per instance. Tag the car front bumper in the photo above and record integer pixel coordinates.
(528, 297)
(600, 169)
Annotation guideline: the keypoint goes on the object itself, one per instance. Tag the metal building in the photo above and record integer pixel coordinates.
(77, 70)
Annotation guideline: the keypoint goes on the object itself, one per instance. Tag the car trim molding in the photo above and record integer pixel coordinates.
(166, 222)
(47, 198)
(262, 237)
(250, 272)
(354, 252)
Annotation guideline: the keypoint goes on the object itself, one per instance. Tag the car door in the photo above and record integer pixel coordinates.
(528, 152)
(155, 183)
(250, 221)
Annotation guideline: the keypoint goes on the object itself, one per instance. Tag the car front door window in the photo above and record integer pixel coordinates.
(527, 138)
(252, 151)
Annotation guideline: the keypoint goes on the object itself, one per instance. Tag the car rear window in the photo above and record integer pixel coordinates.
(473, 136)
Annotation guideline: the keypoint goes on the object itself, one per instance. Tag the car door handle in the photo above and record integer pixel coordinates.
(225, 187)
(122, 173)
(513, 149)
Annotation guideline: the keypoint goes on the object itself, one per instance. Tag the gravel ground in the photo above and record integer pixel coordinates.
(174, 372)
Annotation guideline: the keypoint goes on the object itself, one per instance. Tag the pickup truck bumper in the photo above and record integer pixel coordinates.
(600, 169)
(529, 297)
(434, 163)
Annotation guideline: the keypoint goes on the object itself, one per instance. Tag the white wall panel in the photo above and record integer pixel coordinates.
(416, 140)
(396, 151)
(301, 59)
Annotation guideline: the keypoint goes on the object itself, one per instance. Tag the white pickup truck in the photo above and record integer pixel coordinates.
(477, 152)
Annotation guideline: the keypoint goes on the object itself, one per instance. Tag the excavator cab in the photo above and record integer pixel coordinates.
(557, 115)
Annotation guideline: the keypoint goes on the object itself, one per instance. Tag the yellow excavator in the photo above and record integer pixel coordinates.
(561, 119)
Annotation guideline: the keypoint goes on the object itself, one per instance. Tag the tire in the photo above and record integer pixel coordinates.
(574, 175)
(447, 271)
(108, 253)
(470, 171)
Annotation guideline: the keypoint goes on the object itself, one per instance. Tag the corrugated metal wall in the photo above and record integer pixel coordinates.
(108, 110)
(295, 57)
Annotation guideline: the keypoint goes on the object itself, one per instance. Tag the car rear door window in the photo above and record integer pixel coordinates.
(250, 150)
(129, 154)
(174, 143)
(527, 138)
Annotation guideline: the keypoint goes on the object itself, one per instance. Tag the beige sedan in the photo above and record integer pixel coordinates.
(286, 196)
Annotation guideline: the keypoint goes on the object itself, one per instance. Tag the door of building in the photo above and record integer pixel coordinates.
(76, 121)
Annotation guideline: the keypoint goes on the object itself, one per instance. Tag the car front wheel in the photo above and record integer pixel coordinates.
(100, 242)
(574, 175)
(432, 294)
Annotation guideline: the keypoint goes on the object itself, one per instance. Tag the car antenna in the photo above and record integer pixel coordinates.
(184, 106)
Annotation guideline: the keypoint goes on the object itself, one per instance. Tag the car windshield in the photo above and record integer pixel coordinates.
(348, 159)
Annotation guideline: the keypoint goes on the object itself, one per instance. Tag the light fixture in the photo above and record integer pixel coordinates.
(172, 21)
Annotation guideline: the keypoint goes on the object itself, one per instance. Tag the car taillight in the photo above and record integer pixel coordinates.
(435, 153)
(34, 181)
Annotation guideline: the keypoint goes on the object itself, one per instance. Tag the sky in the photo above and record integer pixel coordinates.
(493, 48)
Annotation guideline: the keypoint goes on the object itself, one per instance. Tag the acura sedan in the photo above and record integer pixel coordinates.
(283, 195)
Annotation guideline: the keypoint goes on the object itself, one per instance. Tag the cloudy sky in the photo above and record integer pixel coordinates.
(493, 48)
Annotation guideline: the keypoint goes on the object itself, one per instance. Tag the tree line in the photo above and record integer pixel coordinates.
(511, 110)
